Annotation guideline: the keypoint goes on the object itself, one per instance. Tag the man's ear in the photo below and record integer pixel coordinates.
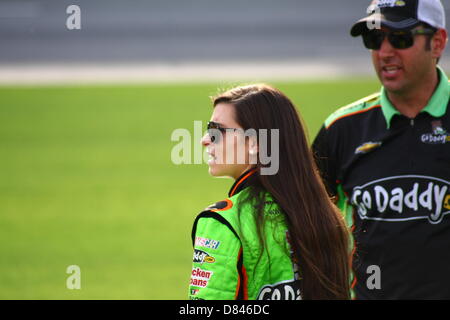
(439, 43)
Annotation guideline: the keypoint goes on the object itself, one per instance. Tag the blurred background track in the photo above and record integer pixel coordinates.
(178, 40)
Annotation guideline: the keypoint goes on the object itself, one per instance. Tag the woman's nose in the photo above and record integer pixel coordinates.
(206, 140)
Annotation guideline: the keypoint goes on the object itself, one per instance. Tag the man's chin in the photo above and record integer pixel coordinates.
(393, 83)
(393, 86)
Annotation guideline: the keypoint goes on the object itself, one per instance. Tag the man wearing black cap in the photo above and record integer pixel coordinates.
(386, 157)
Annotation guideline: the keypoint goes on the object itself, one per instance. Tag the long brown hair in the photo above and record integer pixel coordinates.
(318, 234)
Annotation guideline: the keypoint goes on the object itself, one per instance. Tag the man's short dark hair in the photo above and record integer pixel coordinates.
(429, 37)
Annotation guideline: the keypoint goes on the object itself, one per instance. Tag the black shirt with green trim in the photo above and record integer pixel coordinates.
(391, 177)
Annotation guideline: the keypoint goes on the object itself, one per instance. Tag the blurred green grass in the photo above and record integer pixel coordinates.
(86, 178)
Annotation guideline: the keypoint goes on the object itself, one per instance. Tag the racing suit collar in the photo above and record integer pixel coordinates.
(436, 106)
(241, 182)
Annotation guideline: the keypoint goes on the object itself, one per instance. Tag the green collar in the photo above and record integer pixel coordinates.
(437, 106)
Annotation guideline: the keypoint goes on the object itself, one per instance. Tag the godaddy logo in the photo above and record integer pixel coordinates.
(403, 198)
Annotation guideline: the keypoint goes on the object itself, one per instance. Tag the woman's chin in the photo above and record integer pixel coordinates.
(216, 171)
(212, 170)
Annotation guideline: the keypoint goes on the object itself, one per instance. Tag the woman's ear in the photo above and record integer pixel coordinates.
(253, 150)
(253, 145)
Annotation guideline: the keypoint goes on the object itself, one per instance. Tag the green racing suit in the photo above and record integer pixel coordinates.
(230, 261)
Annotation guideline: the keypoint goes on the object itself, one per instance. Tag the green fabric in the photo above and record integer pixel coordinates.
(347, 210)
(265, 269)
(356, 106)
(436, 107)
(344, 205)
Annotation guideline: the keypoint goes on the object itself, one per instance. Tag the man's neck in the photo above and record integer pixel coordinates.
(410, 103)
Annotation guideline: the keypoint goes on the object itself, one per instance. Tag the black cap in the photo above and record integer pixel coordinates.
(400, 15)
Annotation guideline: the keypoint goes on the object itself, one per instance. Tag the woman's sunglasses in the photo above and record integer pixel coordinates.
(398, 39)
(213, 127)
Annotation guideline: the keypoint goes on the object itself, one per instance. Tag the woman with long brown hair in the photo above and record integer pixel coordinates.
(277, 235)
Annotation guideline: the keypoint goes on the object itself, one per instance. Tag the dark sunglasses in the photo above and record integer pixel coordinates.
(398, 39)
(213, 128)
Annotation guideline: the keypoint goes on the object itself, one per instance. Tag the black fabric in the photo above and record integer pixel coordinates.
(400, 222)
(409, 10)
(240, 264)
(241, 183)
(394, 17)
(213, 215)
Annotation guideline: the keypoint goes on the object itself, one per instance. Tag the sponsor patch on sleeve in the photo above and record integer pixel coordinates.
(200, 277)
(201, 257)
(207, 243)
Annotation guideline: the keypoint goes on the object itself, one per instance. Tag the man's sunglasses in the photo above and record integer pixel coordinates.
(398, 39)
(212, 128)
